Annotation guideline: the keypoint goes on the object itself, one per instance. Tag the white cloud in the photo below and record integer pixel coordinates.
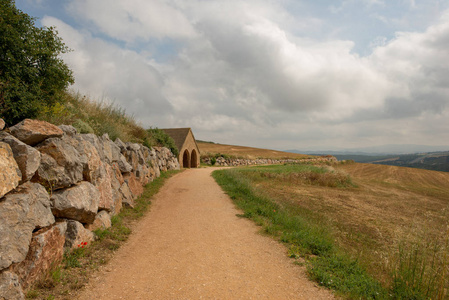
(134, 20)
(244, 73)
(106, 72)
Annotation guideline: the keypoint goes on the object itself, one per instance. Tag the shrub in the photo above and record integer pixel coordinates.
(160, 138)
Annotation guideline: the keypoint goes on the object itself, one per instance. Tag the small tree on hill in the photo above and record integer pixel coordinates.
(32, 75)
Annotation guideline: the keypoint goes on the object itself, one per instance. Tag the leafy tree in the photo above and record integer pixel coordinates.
(32, 76)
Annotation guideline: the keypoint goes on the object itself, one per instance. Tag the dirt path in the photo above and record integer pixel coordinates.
(192, 246)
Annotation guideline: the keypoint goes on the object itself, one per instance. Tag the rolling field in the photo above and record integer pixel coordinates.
(246, 152)
(393, 221)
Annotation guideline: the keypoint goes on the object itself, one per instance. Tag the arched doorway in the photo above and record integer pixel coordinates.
(194, 160)
(186, 159)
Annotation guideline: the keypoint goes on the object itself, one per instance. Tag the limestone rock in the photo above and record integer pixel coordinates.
(116, 151)
(10, 174)
(90, 158)
(134, 185)
(95, 141)
(79, 202)
(126, 195)
(77, 234)
(157, 171)
(68, 130)
(2, 124)
(173, 164)
(120, 144)
(105, 189)
(102, 221)
(61, 164)
(32, 132)
(28, 159)
(132, 159)
(21, 212)
(46, 251)
(105, 143)
(142, 174)
(123, 164)
(116, 183)
(10, 288)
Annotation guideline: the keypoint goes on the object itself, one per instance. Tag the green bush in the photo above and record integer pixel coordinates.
(32, 75)
(159, 138)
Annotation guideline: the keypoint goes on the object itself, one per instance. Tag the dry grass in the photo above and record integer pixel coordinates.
(246, 152)
(386, 208)
(393, 221)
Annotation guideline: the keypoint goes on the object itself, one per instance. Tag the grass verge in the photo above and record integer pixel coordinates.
(307, 236)
(79, 264)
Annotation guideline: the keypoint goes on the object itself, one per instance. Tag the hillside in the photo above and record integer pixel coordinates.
(437, 161)
(208, 149)
(390, 220)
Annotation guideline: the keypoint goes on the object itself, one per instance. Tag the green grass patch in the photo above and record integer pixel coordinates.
(305, 174)
(306, 235)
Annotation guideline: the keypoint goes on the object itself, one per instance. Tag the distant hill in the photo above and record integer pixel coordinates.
(378, 150)
(437, 161)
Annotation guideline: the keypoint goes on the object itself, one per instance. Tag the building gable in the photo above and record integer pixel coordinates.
(189, 152)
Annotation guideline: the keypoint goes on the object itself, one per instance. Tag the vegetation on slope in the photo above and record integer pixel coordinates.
(88, 116)
(368, 233)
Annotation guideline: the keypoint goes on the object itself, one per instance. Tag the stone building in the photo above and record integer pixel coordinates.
(189, 153)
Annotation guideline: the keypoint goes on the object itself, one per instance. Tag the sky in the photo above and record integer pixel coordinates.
(285, 74)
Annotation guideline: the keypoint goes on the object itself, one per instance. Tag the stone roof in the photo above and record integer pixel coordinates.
(179, 135)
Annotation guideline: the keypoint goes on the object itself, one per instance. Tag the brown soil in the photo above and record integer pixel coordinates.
(191, 245)
(247, 152)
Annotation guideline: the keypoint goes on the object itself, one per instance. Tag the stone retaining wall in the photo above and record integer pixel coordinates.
(56, 187)
(235, 162)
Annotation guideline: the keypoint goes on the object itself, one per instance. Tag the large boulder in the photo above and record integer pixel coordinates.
(89, 156)
(79, 202)
(126, 196)
(28, 159)
(115, 151)
(33, 132)
(68, 130)
(76, 234)
(2, 124)
(10, 288)
(134, 184)
(10, 174)
(61, 164)
(120, 144)
(132, 159)
(21, 212)
(123, 164)
(102, 221)
(46, 251)
(116, 183)
(105, 143)
(104, 185)
(143, 174)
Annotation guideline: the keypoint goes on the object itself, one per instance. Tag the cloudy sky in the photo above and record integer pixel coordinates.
(279, 74)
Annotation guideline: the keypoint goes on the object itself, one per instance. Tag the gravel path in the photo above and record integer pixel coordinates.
(191, 245)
